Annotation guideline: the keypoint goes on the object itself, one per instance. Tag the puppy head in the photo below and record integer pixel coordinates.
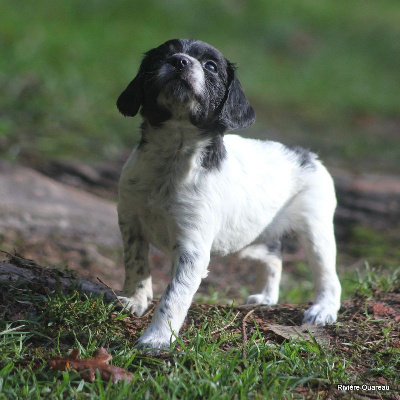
(187, 80)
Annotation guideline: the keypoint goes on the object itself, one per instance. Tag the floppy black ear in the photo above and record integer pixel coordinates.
(236, 112)
(130, 99)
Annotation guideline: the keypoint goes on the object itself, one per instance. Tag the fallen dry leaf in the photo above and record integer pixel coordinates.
(300, 332)
(87, 367)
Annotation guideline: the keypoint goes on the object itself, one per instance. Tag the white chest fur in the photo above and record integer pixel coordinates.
(250, 195)
(157, 180)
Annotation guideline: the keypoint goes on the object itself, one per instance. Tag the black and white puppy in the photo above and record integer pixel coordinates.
(193, 192)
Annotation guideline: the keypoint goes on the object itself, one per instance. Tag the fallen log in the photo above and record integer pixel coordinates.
(22, 270)
(370, 200)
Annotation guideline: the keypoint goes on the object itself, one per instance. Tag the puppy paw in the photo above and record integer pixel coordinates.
(154, 340)
(261, 299)
(137, 303)
(319, 314)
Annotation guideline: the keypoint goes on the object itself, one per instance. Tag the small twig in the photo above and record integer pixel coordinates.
(113, 292)
(17, 257)
(11, 255)
(244, 333)
(7, 253)
(226, 326)
(122, 305)
(149, 312)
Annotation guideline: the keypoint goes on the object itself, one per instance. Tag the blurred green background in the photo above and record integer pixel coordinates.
(324, 74)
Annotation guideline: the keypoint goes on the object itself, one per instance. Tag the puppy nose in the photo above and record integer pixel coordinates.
(179, 61)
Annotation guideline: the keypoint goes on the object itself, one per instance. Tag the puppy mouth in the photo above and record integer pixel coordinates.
(177, 79)
(177, 88)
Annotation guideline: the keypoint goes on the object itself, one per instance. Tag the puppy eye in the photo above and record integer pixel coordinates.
(211, 66)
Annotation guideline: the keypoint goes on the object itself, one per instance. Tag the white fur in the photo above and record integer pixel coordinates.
(261, 191)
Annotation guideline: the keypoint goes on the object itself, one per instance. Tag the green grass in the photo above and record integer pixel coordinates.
(320, 73)
(201, 371)
(202, 365)
(298, 285)
(374, 280)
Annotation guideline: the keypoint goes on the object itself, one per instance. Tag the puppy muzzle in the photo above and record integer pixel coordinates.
(181, 74)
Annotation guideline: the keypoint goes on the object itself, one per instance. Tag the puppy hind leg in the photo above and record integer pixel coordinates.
(320, 247)
(268, 261)
(137, 292)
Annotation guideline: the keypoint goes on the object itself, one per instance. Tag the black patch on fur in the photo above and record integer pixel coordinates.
(275, 247)
(167, 292)
(214, 154)
(187, 262)
(171, 286)
(236, 112)
(131, 238)
(305, 157)
(131, 98)
(140, 286)
(138, 257)
(165, 311)
(187, 258)
(140, 270)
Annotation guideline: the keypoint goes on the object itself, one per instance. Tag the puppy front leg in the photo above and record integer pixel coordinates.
(137, 292)
(189, 268)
